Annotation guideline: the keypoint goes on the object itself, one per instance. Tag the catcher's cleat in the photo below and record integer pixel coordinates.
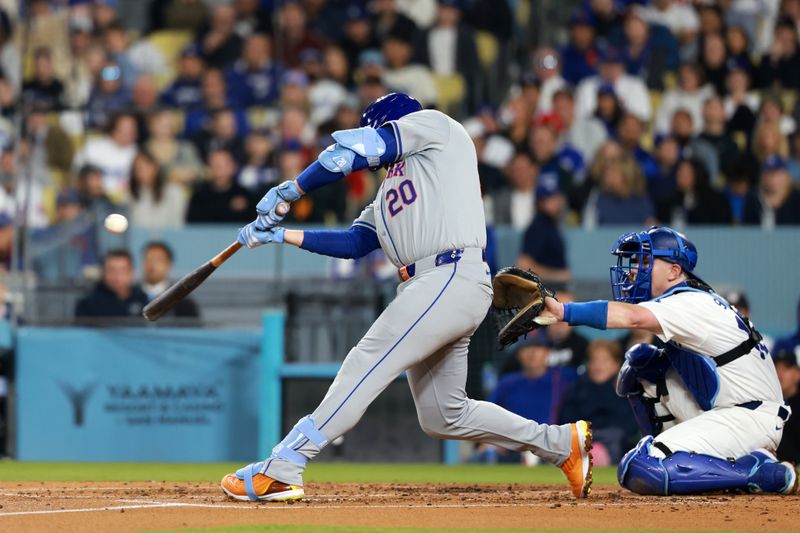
(792, 479)
(249, 483)
(578, 466)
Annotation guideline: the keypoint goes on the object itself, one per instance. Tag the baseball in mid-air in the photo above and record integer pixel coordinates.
(116, 223)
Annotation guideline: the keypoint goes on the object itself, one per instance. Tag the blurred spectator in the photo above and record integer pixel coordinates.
(741, 103)
(514, 206)
(113, 154)
(694, 200)
(715, 146)
(543, 246)
(93, 196)
(403, 75)
(605, 16)
(222, 134)
(713, 61)
(781, 66)
(251, 17)
(154, 202)
(679, 17)
(388, 20)
(689, 95)
(10, 63)
(259, 172)
(178, 14)
(793, 161)
(649, 52)
(682, 127)
(116, 295)
(569, 348)
(620, 198)
(46, 26)
(144, 101)
(255, 78)
(220, 198)
(738, 184)
(593, 397)
(43, 88)
(667, 154)
(185, 92)
(631, 90)
(294, 128)
(739, 49)
(630, 133)
(108, 96)
(786, 364)
(50, 146)
(87, 58)
(358, 35)
(134, 60)
(580, 55)
(294, 34)
(585, 134)
(294, 89)
(324, 94)
(22, 190)
(547, 72)
(157, 259)
(219, 44)
(777, 202)
(537, 390)
(449, 49)
(68, 249)
(178, 158)
(609, 108)
(6, 240)
(215, 97)
(543, 146)
(771, 112)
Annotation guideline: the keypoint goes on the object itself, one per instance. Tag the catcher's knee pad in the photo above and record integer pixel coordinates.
(303, 432)
(643, 471)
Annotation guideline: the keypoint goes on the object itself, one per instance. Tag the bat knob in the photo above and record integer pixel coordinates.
(282, 208)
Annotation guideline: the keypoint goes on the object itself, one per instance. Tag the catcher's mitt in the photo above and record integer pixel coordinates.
(518, 301)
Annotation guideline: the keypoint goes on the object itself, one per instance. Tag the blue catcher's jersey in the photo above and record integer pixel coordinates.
(704, 323)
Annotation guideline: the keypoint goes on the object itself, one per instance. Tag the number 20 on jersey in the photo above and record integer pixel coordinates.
(401, 196)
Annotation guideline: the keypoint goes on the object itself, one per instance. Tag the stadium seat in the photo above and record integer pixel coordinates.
(170, 43)
(450, 91)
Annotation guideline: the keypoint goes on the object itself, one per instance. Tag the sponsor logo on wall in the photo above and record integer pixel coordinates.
(148, 404)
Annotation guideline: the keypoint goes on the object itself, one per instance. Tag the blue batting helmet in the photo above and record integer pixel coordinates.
(389, 107)
(631, 277)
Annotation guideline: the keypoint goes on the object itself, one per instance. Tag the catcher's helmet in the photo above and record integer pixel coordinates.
(631, 276)
(389, 107)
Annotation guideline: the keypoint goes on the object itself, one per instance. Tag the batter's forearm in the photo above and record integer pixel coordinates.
(294, 237)
(353, 243)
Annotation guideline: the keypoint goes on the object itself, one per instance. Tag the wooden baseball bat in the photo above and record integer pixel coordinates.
(165, 301)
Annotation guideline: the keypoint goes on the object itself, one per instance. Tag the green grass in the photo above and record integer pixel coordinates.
(320, 472)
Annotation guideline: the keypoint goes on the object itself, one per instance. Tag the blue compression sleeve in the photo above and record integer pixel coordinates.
(592, 314)
(353, 243)
(316, 176)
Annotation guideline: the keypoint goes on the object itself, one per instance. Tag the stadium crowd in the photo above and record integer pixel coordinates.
(639, 111)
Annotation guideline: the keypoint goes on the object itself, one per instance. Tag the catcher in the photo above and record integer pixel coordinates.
(708, 400)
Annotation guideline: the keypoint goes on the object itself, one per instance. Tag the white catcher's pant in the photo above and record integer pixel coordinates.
(726, 432)
(426, 331)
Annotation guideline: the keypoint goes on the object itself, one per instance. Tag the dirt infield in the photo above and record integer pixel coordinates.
(112, 506)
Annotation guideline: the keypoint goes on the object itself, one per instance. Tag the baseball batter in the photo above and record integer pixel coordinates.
(428, 218)
(709, 401)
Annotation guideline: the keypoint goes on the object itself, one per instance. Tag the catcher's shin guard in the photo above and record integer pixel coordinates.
(691, 473)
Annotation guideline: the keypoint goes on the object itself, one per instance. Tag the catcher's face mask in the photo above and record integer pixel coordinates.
(631, 277)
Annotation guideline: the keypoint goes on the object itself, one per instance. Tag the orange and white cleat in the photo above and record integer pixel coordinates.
(578, 466)
(249, 484)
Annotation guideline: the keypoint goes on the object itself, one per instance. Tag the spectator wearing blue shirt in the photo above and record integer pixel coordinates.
(543, 246)
(594, 398)
(543, 143)
(537, 390)
(215, 96)
(630, 131)
(579, 57)
(648, 51)
(108, 96)
(620, 198)
(255, 78)
(667, 155)
(185, 92)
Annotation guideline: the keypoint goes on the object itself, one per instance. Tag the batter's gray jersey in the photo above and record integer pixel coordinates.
(430, 200)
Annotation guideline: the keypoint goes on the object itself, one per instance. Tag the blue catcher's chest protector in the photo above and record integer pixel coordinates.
(699, 371)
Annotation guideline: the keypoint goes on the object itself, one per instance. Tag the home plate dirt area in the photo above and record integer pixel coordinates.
(115, 506)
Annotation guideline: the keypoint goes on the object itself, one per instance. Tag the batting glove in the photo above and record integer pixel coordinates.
(267, 216)
(252, 237)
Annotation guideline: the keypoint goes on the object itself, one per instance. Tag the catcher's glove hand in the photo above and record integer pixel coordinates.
(518, 301)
